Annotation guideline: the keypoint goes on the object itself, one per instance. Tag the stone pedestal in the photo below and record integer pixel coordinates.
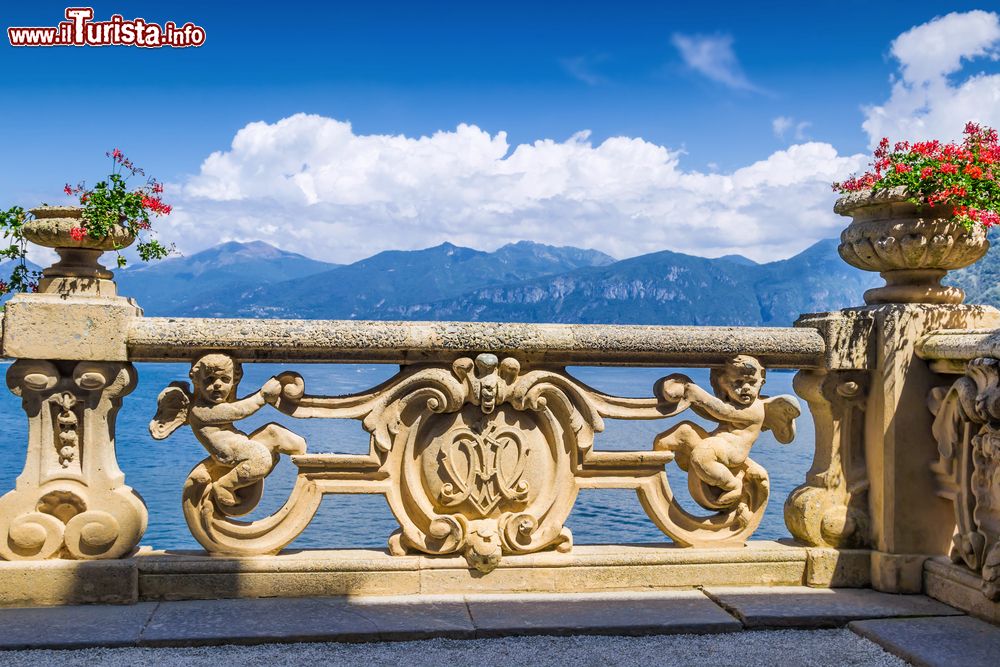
(71, 373)
(872, 481)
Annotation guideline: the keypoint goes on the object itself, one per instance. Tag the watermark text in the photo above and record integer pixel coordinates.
(79, 29)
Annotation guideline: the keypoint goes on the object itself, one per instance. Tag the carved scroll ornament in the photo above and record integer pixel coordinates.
(70, 501)
(967, 430)
(484, 457)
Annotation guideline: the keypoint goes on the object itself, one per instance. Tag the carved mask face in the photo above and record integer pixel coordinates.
(215, 383)
(741, 386)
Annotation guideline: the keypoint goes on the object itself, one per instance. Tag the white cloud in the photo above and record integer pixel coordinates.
(712, 56)
(925, 102)
(783, 125)
(311, 184)
(936, 48)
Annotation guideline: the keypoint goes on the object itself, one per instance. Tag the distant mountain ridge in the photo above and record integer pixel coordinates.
(523, 281)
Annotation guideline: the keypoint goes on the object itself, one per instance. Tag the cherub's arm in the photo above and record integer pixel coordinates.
(714, 407)
(226, 413)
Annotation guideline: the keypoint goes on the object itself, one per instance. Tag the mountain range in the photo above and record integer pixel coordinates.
(525, 281)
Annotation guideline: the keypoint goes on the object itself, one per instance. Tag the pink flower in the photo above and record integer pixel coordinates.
(78, 233)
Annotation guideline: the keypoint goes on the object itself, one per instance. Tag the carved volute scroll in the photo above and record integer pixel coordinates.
(831, 509)
(70, 501)
(483, 457)
(967, 430)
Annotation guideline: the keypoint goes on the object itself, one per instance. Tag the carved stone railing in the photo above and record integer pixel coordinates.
(482, 440)
(479, 444)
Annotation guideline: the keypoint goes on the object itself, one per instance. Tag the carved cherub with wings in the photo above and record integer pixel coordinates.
(742, 414)
(210, 411)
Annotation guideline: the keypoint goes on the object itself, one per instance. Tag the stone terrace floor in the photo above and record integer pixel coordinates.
(713, 626)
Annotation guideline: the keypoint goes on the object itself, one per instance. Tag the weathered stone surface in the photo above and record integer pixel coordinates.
(660, 613)
(70, 326)
(66, 582)
(70, 500)
(196, 622)
(183, 339)
(297, 574)
(961, 345)
(911, 248)
(935, 641)
(75, 626)
(968, 468)
(957, 586)
(419, 617)
(831, 508)
(762, 607)
(633, 567)
(838, 568)
(908, 520)
(847, 336)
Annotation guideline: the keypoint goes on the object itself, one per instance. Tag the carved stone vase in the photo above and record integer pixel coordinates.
(911, 246)
(77, 257)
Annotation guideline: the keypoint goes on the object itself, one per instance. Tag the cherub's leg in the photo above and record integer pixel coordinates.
(256, 464)
(705, 463)
(681, 439)
(277, 438)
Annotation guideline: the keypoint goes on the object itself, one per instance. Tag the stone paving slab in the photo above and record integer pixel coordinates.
(401, 619)
(200, 622)
(936, 641)
(74, 627)
(649, 613)
(803, 607)
(341, 619)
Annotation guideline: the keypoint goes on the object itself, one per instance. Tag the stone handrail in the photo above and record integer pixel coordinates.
(959, 346)
(177, 339)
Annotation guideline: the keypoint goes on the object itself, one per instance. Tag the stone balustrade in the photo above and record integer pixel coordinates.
(482, 440)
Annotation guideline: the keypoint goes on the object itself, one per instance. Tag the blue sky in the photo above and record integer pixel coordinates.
(717, 86)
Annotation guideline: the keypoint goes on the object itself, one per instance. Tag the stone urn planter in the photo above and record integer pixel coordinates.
(912, 247)
(77, 257)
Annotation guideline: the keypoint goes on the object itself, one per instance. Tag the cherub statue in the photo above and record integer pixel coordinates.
(210, 412)
(742, 414)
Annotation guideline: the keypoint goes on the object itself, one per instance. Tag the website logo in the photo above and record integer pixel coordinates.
(79, 29)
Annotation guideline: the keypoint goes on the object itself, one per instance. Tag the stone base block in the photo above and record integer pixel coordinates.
(898, 573)
(179, 576)
(198, 576)
(959, 587)
(158, 575)
(838, 568)
(58, 582)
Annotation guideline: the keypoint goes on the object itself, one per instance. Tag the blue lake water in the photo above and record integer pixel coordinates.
(157, 469)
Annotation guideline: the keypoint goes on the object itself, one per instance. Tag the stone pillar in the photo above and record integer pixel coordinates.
(873, 348)
(71, 373)
(909, 521)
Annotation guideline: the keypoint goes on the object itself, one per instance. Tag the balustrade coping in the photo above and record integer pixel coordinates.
(357, 341)
(959, 345)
